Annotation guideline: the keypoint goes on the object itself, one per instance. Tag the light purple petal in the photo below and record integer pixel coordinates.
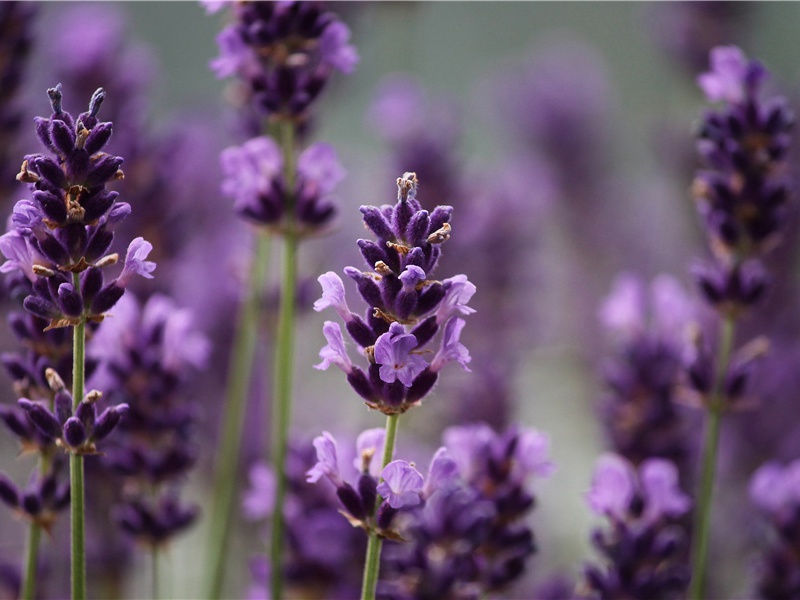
(613, 486)
(335, 50)
(327, 460)
(532, 453)
(319, 163)
(393, 354)
(401, 485)
(135, 263)
(442, 473)
(333, 295)
(459, 292)
(412, 276)
(661, 490)
(369, 446)
(467, 444)
(623, 312)
(452, 349)
(726, 79)
(335, 352)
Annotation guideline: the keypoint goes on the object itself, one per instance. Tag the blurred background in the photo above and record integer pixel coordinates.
(565, 130)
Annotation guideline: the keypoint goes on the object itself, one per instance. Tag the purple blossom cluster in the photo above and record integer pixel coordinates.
(406, 306)
(645, 543)
(285, 52)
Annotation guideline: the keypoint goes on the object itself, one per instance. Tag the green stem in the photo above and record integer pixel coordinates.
(702, 515)
(31, 560)
(76, 463)
(372, 562)
(282, 375)
(238, 386)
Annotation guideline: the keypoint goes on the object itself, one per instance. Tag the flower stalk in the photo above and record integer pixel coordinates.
(78, 550)
(375, 543)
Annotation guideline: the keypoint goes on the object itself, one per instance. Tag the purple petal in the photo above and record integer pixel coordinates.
(661, 489)
(327, 460)
(613, 486)
(335, 352)
(401, 485)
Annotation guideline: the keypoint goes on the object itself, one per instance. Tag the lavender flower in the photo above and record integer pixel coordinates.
(775, 490)
(407, 306)
(645, 544)
(285, 52)
(255, 179)
(650, 329)
(469, 537)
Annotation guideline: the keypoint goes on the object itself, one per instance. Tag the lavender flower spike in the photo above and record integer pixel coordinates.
(401, 485)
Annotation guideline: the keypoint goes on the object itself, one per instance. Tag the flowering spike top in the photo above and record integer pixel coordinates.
(285, 52)
(743, 194)
(67, 225)
(407, 307)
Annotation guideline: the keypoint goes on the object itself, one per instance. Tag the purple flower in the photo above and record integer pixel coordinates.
(623, 310)
(459, 292)
(334, 353)
(731, 76)
(249, 171)
(452, 349)
(20, 254)
(393, 352)
(234, 55)
(259, 499)
(335, 49)
(319, 166)
(136, 263)
(661, 490)
(401, 485)
(532, 454)
(327, 461)
(613, 487)
(442, 473)
(333, 296)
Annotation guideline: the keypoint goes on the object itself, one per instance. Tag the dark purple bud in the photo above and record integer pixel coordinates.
(8, 491)
(53, 250)
(14, 365)
(74, 432)
(359, 382)
(406, 303)
(91, 283)
(69, 301)
(52, 205)
(63, 137)
(15, 422)
(42, 418)
(85, 413)
(421, 385)
(367, 486)
(360, 332)
(425, 331)
(106, 298)
(62, 496)
(351, 501)
(47, 489)
(418, 228)
(100, 172)
(372, 252)
(403, 211)
(73, 237)
(394, 393)
(108, 420)
(43, 133)
(19, 325)
(98, 244)
(385, 515)
(50, 171)
(367, 287)
(439, 216)
(63, 406)
(31, 503)
(430, 298)
(98, 137)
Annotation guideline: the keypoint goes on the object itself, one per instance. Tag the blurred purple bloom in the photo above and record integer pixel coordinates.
(335, 49)
(327, 461)
(613, 487)
(442, 473)
(335, 352)
(402, 484)
(249, 170)
(661, 490)
(259, 499)
(393, 352)
(369, 450)
(319, 166)
(333, 295)
(731, 76)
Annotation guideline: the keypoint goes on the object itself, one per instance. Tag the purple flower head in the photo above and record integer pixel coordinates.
(452, 349)
(333, 296)
(393, 352)
(250, 172)
(775, 490)
(334, 353)
(319, 167)
(732, 77)
(259, 499)
(136, 263)
(613, 487)
(20, 254)
(623, 310)
(235, 57)
(369, 450)
(532, 454)
(402, 484)
(412, 276)
(327, 461)
(466, 444)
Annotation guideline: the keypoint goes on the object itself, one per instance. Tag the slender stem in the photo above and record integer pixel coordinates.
(702, 515)
(76, 463)
(372, 562)
(282, 375)
(31, 560)
(238, 386)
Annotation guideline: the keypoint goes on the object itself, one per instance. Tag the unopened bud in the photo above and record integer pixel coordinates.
(54, 379)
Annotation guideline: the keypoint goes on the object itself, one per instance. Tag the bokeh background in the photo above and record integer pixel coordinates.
(625, 70)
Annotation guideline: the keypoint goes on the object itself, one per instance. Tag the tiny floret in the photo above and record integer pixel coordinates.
(401, 485)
